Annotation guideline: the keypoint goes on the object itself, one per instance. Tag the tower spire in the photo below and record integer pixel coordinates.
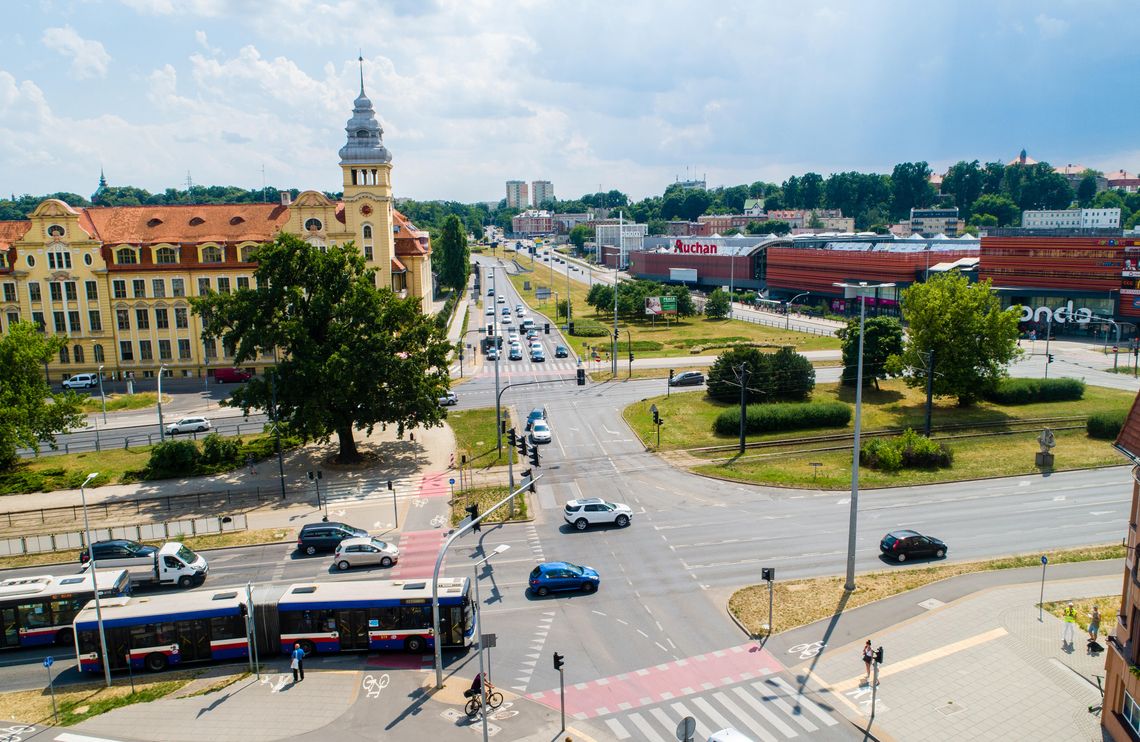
(360, 60)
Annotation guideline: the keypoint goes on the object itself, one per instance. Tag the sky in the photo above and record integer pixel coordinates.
(590, 95)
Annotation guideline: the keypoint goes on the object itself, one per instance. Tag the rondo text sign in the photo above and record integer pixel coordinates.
(1060, 315)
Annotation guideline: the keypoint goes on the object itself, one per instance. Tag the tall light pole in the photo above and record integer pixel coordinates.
(849, 585)
(788, 309)
(94, 578)
(495, 344)
(617, 270)
(102, 396)
(479, 624)
(161, 427)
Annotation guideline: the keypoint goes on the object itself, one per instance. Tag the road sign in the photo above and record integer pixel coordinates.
(1044, 559)
(686, 729)
(489, 641)
(49, 661)
(451, 481)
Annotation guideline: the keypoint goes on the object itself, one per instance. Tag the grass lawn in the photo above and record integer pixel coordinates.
(800, 602)
(486, 497)
(475, 437)
(674, 339)
(117, 402)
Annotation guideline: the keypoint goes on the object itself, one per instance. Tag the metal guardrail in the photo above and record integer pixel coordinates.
(165, 531)
(105, 439)
(779, 321)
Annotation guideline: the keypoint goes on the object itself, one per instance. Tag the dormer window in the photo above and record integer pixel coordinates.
(126, 256)
(152, 223)
(194, 222)
(248, 253)
(237, 220)
(395, 229)
(165, 256)
(212, 254)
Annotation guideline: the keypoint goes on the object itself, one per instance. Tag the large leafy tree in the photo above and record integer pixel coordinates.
(455, 267)
(29, 412)
(884, 339)
(964, 181)
(724, 376)
(973, 338)
(1000, 206)
(717, 306)
(910, 188)
(351, 355)
(580, 235)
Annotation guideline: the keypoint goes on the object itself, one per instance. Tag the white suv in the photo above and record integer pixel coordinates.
(82, 381)
(594, 510)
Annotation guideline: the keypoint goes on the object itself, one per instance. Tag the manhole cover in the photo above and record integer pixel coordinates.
(931, 603)
(951, 708)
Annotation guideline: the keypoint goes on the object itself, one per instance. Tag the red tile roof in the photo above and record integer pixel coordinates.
(398, 267)
(193, 223)
(12, 231)
(1128, 442)
(408, 239)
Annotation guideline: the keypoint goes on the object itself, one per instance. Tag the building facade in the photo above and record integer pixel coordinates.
(541, 191)
(625, 237)
(1123, 181)
(533, 222)
(517, 194)
(1071, 219)
(117, 280)
(929, 222)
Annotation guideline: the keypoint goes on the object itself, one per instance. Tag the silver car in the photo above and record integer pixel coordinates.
(189, 425)
(365, 552)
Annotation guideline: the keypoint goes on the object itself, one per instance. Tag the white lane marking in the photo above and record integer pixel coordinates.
(681, 712)
(747, 719)
(643, 727)
(802, 700)
(764, 711)
(618, 730)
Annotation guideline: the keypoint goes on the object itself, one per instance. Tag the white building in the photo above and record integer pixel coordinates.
(517, 194)
(541, 191)
(1070, 218)
(625, 237)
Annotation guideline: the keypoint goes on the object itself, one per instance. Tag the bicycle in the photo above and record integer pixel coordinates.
(494, 701)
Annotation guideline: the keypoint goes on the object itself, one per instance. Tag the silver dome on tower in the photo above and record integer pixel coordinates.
(364, 144)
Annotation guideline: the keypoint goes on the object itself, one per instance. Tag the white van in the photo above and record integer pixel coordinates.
(729, 735)
(82, 381)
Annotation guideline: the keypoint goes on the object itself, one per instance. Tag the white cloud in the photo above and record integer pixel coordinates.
(1049, 27)
(88, 58)
(203, 8)
(204, 42)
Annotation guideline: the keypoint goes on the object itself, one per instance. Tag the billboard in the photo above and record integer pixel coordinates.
(683, 274)
(658, 305)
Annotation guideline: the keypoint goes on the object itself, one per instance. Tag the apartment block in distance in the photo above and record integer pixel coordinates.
(929, 222)
(541, 191)
(517, 194)
(1071, 219)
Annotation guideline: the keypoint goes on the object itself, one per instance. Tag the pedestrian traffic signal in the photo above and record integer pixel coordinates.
(534, 456)
(558, 661)
(512, 439)
(767, 573)
(473, 511)
(879, 656)
(581, 377)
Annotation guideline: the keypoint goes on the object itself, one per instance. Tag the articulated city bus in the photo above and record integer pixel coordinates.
(155, 632)
(39, 610)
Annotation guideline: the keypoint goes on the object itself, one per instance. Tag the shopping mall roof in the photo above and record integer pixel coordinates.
(867, 242)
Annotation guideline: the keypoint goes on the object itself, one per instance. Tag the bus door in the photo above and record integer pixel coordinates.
(193, 637)
(451, 625)
(352, 626)
(10, 636)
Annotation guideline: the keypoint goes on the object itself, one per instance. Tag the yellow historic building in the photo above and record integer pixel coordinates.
(116, 280)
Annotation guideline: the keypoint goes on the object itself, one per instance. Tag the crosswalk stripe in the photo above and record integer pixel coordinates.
(784, 706)
(804, 701)
(663, 718)
(762, 708)
(745, 719)
(720, 722)
(618, 730)
(682, 712)
(645, 729)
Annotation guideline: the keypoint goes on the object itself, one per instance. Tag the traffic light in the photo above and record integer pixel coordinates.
(670, 374)
(570, 328)
(631, 356)
(534, 456)
(503, 425)
(546, 328)
(1050, 359)
(528, 477)
(656, 416)
(558, 661)
(581, 377)
(879, 656)
(767, 573)
(617, 334)
(473, 511)
(522, 446)
(512, 439)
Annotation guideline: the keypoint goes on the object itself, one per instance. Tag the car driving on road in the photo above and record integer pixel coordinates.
(316, 537)
(538, 413)
(905, 544)
(540, 432)
(189, 425)
(551, 577)
(451, 398)
(688, 378)
(594, 511)
(560, 351)
(364, 551)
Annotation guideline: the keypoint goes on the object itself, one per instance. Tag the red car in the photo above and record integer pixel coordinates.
(238, 375)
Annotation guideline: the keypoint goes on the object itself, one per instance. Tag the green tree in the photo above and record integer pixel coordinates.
(580, 235)
(353, 356)
(723, 378)
(695, 203)
(793, 376)
(29, 412)
(455, 266)
(601, 297)
(983, 220)
(999, 206)
(718, 306)
(964, 181)
(884, 339)
(811, 190)
(910, 188)
(974, 339)
(685, 305)
(1086, 189)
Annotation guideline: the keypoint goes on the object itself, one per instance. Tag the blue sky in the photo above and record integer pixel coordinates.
(625, 95)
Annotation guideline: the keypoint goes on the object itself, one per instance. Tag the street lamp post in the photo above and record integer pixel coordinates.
(788, 309)
(316, 479)
(161, 427)
(849, 585)
(102, 396)
(495, 344)
(479, 624)
(94, 578)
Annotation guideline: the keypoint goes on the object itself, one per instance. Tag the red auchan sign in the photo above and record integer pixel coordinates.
(696, 248)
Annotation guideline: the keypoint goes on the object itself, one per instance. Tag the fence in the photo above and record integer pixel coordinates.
(778, 321)
(107, 439)
(23, 545)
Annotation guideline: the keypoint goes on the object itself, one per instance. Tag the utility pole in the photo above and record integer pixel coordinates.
(742, 377)
(929, 389)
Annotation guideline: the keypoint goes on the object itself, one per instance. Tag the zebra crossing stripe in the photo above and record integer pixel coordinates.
(618, 730)
(645, 729)
(756, 729)
(681, 712)
(761, 708)
(783, 705)
(804, 702)
(723, 723)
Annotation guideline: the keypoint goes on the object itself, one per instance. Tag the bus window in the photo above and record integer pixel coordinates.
(415, 617)
(63, 611)
(389, 618)
(227, 627)
(34, 616)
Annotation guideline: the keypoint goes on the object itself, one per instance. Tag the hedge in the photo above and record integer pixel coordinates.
(768, 418)
(1105, 425)
(907, 451)
(588, 328)
(1028, 391)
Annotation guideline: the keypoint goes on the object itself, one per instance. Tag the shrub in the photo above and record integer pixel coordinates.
(1105, 425)
(1028, 391)
(767, 418)
(218, 450)
(784, 375)
(173, 459)
(907, 451)
(588, 328)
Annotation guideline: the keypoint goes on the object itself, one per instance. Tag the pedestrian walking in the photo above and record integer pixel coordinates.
(868, 658)
(1094, 624)
(1070, 619)
(298, 663)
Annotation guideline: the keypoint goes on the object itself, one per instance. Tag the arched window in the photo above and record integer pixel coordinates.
(165, 256)
(248, 253)
(63, 355)
(367, 231)
(126, 256)
(77, 353)
(97, 351)
(212, 254)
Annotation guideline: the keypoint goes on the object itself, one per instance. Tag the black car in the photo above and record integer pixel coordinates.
(119, 548)
(560, 351)
(688, 378)
(903, 545)
(316, 537)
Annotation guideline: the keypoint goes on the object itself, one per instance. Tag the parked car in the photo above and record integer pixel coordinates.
(82, 381)
(540, 432)
(316, 537)
(905, 544)
(189, 425)
(594, 511)
(538, 413)
(232, 375)
(688, 378)
(451, 398)
(119, 548)
(551, 577)
(560, 351)
(365, 552)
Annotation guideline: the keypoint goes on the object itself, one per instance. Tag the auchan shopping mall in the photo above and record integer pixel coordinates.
(1078, 277)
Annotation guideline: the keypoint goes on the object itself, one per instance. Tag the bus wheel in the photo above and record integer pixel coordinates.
(64, 637)
(307, 646)
(156, 662)
(185, 582)
(414, 644)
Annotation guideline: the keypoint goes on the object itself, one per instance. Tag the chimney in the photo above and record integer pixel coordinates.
(286, 198)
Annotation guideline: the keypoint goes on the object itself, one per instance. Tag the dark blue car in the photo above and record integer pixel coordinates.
(549, 577)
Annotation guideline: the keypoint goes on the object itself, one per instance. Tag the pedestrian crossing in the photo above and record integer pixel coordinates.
(770, 710)
(561, 367)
